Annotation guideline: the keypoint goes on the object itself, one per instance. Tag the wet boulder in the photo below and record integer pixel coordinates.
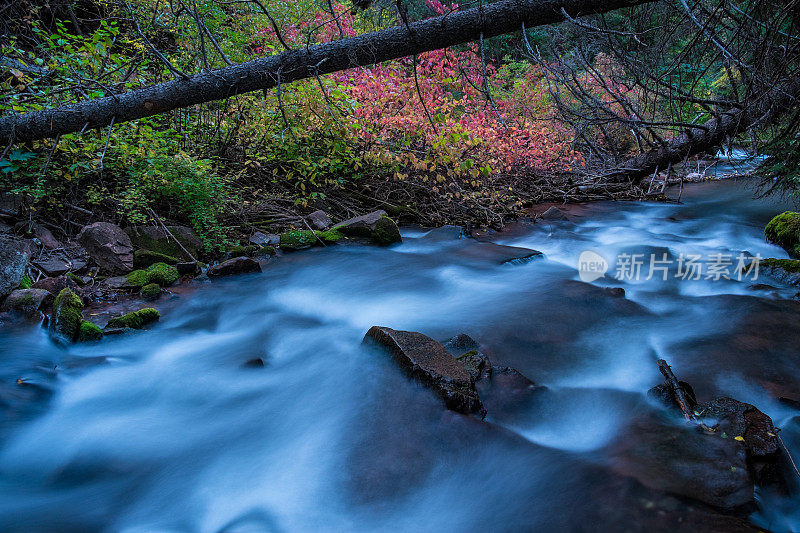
(744, 423)
(375, 226)
(681, 459)
(189, 268)
(55, 265)
(27, 302)
(174, 241)
(13, 261)
(429, 362)
(231, 267)
(108, 246)
(500, 254)
(784, 230)
(319, 220)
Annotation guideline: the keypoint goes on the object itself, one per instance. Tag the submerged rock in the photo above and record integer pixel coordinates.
(553, 213)
(428, 361)
(683, 460)
(231, 267)
(108, 246)
(27, 302)
(500, 254)
(784, 230)
(134, 320)
(376, 226)
(256, 362)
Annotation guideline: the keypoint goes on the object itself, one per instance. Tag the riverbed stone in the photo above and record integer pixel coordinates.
(156, 239)
(27, 302)
(375, 226)
(56, 284)
(426, 360)
(12, 265)
(237, 265)
(108, 246)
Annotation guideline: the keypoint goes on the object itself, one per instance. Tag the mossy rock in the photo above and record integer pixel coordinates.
(151, 291)
(300, 239)
(332, 235)
(66, 320)
(243, 251)
(789, 265)
(146, 258)
(89, 332)
(784, 230)
(135, 320)
(76, 278)
(154, 238)
(386, 232)
(163, 274)
(137, 279)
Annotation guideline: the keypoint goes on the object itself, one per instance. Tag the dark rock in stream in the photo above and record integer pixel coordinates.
(237, 265)
(500, 254)
(56, 284)
(426, 360)
(254, 363)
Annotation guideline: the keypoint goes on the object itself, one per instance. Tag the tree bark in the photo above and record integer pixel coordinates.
(400, 41)
(760, 111)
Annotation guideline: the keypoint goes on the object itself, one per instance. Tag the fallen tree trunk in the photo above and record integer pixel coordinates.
(761, 111)
(400, 41)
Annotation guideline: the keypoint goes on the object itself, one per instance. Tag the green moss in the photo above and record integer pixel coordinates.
(784, 230)
(25, 282)
(331, 235)
(138, 278)
(470, 353)
(242, 251)
(789, 265)
(74, 277)
(386, 232)
(163, 274)
(298, 239)
(67, 317)
(89, 332)
(151, 291)
(146, 258)
(269, 250)
(136, 319)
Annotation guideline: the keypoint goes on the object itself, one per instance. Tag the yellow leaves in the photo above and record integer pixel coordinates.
(739, 438)
(439, 178)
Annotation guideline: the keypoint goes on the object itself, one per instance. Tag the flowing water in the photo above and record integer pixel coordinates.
(165, 430)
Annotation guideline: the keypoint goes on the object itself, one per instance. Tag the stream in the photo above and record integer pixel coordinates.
(164, 430)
